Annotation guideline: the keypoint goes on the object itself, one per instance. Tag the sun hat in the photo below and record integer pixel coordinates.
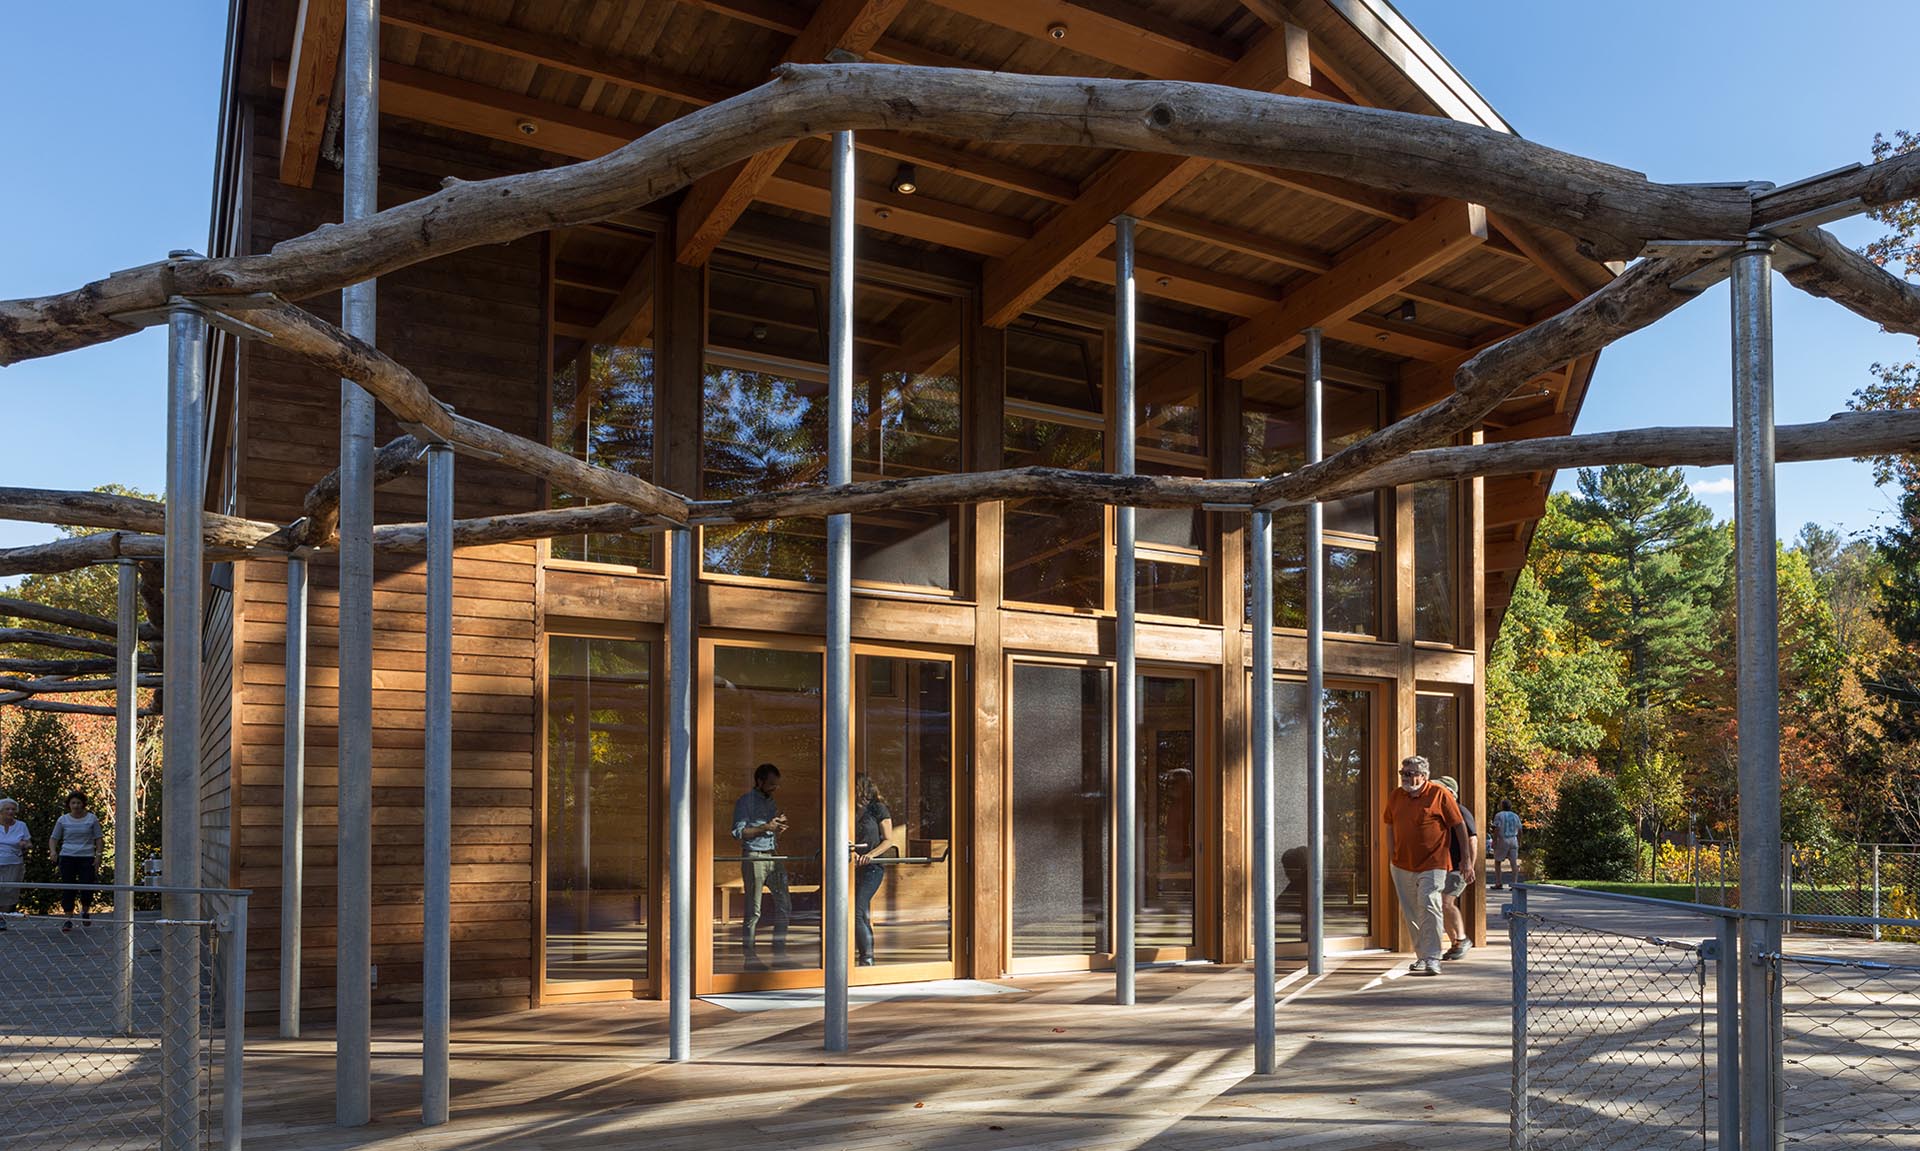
(1450, 783)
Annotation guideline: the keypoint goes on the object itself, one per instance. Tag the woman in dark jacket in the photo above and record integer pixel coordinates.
(872, 831)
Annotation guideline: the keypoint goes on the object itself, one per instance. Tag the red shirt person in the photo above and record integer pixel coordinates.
(1422, 822)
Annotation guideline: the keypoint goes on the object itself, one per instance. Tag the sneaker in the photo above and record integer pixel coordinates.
(1423, 967)
(1458, 950)
(66, 927)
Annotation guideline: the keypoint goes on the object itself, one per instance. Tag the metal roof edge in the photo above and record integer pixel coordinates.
(1403, 45)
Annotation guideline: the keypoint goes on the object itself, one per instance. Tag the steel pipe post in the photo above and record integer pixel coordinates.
(1875, 908)
(836, 860)
(436, 1002)
(680, 656)
(353, 965)
(1126, 680)
(1260, 737)
(1758, 661)
(1316, 558)
(1517, 946)
(293, 797)
(1726, 994)
(126, 859)
(180, 793)
(233, 1039)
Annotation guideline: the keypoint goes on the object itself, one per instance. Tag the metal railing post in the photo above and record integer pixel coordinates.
(353, 962)
(1316, 675)
(1786, 888)
(1126, 686)
(126, 676)
(1876, 891)
(1758, 659)
(836, 861)
(1260, 738)
(293, 797)
(680, 656)
(180, 793)
(1517, 944)
(1726, 993)
(234, 1009)
(436, 1002)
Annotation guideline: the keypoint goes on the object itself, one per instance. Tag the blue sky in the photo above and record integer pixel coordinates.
(115, 112)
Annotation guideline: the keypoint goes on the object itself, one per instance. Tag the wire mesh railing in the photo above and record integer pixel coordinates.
(1627, 1017)
(123, 1029)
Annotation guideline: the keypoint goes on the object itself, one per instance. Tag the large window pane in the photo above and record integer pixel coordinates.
(903, 737)
(1167, 796)
(1062, 744)
(1434, 560)
(766, 892)
(600, 749)
(1437, 732)
(1055, 552)
(1348, 868)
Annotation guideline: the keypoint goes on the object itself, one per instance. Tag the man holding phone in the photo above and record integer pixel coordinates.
(757, 824)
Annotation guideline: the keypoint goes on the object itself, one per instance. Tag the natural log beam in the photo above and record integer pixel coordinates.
(716, 202)
(68, 686)
(120, 513)
(320, 518)
(25, 635)
(68, 618)
(976, 487)
(40, 667)
(1840, 274)
(1826, 198)
(1136, 184)
(519, 527)
(1640, 296)
(29, 703)
(403, 393)
(1130, 36)
(319, 31)
(1613, 212)
(1374, 270)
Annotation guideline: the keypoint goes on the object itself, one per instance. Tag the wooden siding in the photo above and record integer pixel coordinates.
(216, 740)
(472, 326)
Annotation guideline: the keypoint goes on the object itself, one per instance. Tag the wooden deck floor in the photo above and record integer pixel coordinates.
(1369, 1061)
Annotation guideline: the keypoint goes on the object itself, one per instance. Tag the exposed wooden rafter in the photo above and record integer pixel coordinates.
(318, 36)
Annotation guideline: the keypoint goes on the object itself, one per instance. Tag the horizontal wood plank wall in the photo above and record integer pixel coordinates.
(216, 732)
(470, 325)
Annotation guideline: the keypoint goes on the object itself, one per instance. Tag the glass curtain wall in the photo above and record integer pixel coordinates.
(1436, 557)
(1350, 816)
(1171, 562)
(1055, 553)
(1273, 417)
(764, 421)
(600, 750)
(1062, 737)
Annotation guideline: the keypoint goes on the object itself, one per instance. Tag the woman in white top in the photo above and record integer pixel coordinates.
(14, 838)
(75, 842)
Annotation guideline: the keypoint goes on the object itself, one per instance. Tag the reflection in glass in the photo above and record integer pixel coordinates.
(903, 742)
(1166, 792)
(1436, 721)
(1164, 587)
(603, 413)
(1171, 389)
(1353, 590)
(1348, 870)
(599, 768)
(1055, 552)
(1434, 560)
(1062, 744)
(766, 709)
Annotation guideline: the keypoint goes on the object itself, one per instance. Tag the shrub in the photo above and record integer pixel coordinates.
(1590, 835)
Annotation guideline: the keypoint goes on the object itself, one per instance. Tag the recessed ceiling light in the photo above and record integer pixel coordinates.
(904, 181)
(1057, 31)
(528, 127)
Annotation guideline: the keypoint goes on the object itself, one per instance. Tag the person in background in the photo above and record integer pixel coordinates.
(1505, 836)
(1422, 820)
(76, 842)
(1458, 879)
(14, 838)
(757, 824)
(872, 831)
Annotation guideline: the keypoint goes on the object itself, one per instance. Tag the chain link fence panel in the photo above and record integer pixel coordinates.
(1849, 1036)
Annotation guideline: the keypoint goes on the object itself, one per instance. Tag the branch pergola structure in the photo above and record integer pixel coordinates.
(1682, 239)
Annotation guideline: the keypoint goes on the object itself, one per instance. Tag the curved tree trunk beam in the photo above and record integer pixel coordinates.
(67, 618)
(68, 686)
(121, 513)
(1841, 436)
(27, 635)
(976, 487)
(68, 667)
(1633, 300)
(104, 548)
(1846, 277)
(1613, 212)
(518, 527)
(409, 399)
(29, 703)
(320, 518)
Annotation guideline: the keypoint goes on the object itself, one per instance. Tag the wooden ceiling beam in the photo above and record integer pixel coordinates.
(1378, 268)
(628, 320)
(319, 32)
(1123, 34)
(929, 152)
(1135, 184)
(1374, 202)
(716, 201)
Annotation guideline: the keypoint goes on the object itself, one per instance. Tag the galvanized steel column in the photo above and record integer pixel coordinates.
(680, 657)
(835, 861)
(233, 1054)
(126, 859)
(1260, 740)
(293, 796)
(180, 793)
(436, 1003)
(353, 966)
(1126, 688)
(1316, 558)
(1757, 609)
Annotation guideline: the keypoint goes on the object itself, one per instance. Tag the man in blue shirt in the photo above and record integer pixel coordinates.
(1506, 846)
(757, 823)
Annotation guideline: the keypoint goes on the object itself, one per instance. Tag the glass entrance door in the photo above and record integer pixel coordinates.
(1167, 791)
(1351, 812)
(1062, 755)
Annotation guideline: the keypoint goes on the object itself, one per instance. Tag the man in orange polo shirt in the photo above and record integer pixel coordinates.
(1422, 820)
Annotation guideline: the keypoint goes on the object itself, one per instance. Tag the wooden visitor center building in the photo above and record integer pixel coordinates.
(686, 344)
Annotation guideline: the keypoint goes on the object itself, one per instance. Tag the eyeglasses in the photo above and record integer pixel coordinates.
(1412, 774)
